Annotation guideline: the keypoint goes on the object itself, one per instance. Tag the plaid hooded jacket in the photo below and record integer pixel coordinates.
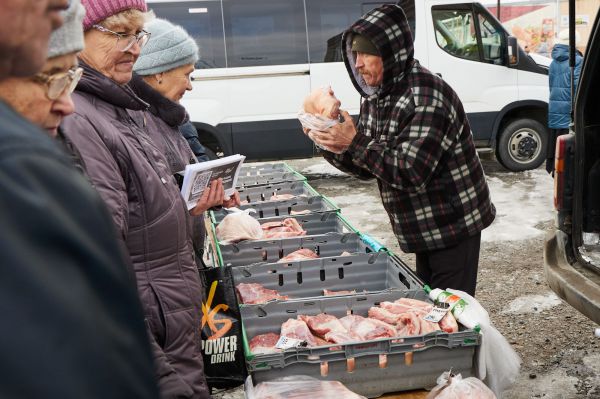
(414, 137)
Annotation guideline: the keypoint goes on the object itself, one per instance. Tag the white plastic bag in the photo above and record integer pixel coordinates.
(497, 362)
(298, 387)
(238, 226)
(455, 387)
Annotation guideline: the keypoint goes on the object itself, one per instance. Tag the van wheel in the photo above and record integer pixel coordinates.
(522, 145)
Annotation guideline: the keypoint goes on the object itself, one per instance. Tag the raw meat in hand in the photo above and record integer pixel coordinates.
(322, 102)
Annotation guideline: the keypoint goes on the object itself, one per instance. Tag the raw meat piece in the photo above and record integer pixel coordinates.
(345, 253)
(287, 228)
(328, 327)
(415, 303)
(397, 308)
(322, 102)
(304, 212)
(342, 292)
(264, 343)
(448, 323)
(366, 329)
(408, 324)
(428, 326)
(300, 387)
(282, 197)
(383, 315)
(301, 254)
(239, 226)
(298, 329)
(255, 293)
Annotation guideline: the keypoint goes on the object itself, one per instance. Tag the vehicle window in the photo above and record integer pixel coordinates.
(491, 41)
(203, 21)
(455, 33)
(327, 20)
(265, 32)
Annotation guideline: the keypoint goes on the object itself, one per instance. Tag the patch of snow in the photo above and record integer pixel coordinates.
(520, 206)
(321, 167)
(532, 303)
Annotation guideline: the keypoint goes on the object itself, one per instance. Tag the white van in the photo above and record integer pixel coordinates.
(259, 59)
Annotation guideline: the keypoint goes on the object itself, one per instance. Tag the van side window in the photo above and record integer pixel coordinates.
(327, 20)
(203, 21)
(491, 41)
(265, 32)
(455, 33)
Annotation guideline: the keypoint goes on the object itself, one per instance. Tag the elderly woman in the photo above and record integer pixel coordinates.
(162, 76)
(109, 128)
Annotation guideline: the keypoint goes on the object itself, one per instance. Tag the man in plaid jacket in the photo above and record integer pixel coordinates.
(413, 136)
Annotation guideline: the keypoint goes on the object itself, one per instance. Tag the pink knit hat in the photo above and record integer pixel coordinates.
(99, 10)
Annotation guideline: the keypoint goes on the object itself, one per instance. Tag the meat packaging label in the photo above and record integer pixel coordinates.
(436, 314)
(287, 343)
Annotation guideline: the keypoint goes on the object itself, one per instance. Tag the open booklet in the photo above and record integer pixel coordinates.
(197, 176)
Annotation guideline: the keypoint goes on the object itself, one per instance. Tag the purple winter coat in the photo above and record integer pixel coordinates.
(109, 129)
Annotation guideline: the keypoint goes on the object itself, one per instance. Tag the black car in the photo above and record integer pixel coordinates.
(572, 252)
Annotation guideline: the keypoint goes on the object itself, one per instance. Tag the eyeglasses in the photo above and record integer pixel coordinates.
(124, 41)
(57, 83)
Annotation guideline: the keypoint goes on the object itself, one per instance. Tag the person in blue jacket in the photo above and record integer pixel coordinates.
(559, 105)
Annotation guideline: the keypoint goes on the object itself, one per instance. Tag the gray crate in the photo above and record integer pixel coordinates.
(372, 272)
(431, 354)
(269, 251)
(264, 193)
(282, 208)
(268, 178)
(266, 168)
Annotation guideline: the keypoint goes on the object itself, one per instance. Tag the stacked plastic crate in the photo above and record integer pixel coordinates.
(348, 261)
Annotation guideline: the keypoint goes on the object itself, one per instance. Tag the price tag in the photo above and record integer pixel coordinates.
(436, 314)
(287, 343)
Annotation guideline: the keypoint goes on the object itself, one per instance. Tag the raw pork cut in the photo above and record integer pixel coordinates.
(301, 254)
(328, 327)
(264, 343)
(289, 227)
(238, 226)
(342, 292)
(282, 197)
(255, 293)
(298, 329)
(366, 329)
(323, 103)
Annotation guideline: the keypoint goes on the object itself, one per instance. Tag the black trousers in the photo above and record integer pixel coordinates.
(454, 267)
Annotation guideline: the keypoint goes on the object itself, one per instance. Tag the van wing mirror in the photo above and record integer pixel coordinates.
(513, 51)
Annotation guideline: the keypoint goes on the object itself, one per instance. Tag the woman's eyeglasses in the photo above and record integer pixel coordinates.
(125, 41)
(57, 83)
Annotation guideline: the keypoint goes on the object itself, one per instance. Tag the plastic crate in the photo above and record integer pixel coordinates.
(270, 251)
(249, 169)
(369, 368)
(285, 208)
(251, 179)
(264, 193)
(363, 273)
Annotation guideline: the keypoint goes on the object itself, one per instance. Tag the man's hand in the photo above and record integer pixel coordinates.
(337, 138)
(212, 196)
(232, 201)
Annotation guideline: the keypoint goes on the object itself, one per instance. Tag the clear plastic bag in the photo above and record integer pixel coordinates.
(497, 363)
(455, 387)
(238, 226)
(297, 387)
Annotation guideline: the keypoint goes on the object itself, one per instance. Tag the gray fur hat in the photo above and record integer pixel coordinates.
(69, 37)
(169, 47)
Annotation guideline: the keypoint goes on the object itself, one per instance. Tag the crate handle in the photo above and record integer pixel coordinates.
(370, 241)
